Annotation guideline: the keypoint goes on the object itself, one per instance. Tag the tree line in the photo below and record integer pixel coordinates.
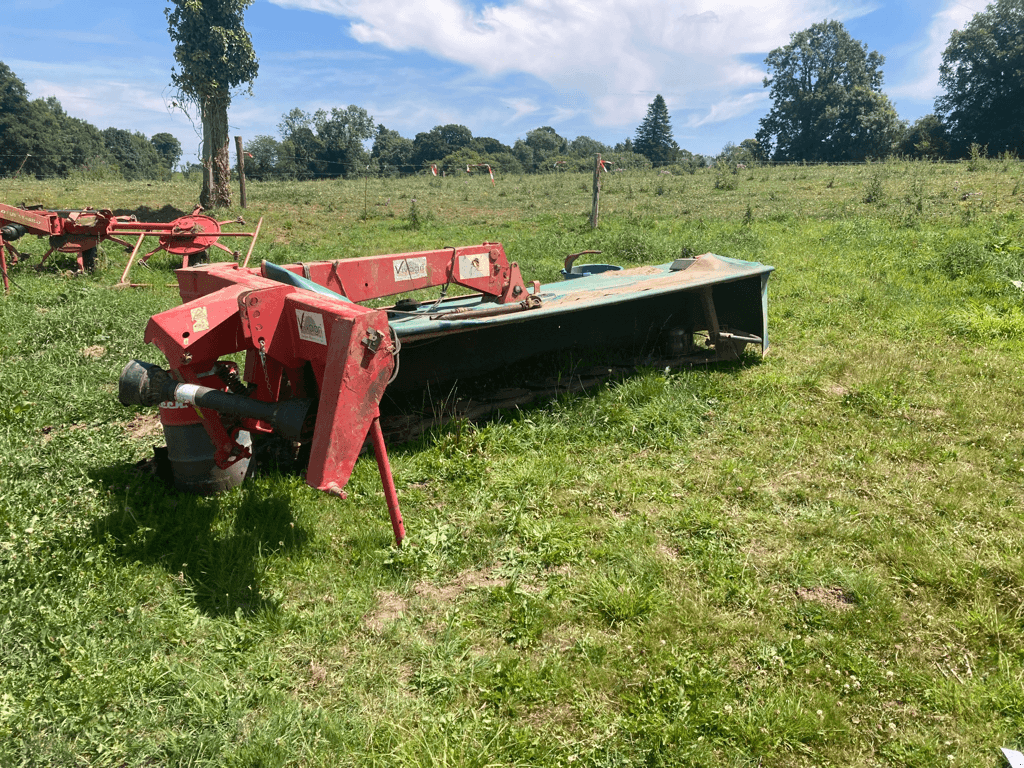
(346, 142)
(828, 103)
(39, 138)
(826, 91)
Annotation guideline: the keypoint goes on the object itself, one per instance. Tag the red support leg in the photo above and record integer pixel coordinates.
(3, 263)
(381, 452)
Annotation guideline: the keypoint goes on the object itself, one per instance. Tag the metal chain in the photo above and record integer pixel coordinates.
(263, 362)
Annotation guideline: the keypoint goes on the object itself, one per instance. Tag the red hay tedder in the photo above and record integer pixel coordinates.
(79, 232)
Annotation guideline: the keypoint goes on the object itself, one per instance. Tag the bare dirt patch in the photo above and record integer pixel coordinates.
(49, 432)
(95, 352)
(666, 552)
(436, 594)
(467, 580)
(390, 607)
(756, 553)
(551, 717)
(144, 425)
(830, 597)
(479, 580)
(317, 674)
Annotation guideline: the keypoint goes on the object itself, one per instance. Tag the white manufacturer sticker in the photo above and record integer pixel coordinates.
(200, 320)
(410, 269)
(311, 326)
(474, 265)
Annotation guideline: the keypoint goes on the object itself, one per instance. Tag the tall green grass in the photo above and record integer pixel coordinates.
(811, 559)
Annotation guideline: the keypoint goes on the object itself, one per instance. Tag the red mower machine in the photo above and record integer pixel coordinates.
(318, 363)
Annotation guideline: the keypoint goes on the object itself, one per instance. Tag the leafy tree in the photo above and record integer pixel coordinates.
(46, 139)
(584, 146)
(982, 73)
(42, 140)
(654, 135)
(546, 145)
(625, 161)
(926, 139)
(214, 55)
(40, 135)
(341, 134)
(13, 94)
(624, 146)
(566, 164)
(500, 162)
(732, 154)
(262, 160)
(828, 102)
(324, 144)
(392, 151)
(300, 146)
(191, 170)
(88, 151)
(753, 149)
(456, 163)
(14, 107)
(504, 163)
(31, 132)
(439, 142)
(489, 146)
(168, 147)
(523, 152)
(134, 154)
(688, 162)
(744, 153)
(87, 146)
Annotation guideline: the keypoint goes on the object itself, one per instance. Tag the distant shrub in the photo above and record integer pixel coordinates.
(874, 192)
(726, 176)
(978, 157)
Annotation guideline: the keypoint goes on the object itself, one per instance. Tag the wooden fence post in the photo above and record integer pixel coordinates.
(597, 191)
(241, 168)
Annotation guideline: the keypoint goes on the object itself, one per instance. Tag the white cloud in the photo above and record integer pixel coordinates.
(619, 53)
(103, 103)
(520, 107)
(115, 103)
(922, 80)
(730, 108)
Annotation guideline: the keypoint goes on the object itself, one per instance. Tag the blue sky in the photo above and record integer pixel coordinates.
(500, 68)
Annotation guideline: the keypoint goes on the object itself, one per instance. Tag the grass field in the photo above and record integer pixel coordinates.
(814, 559)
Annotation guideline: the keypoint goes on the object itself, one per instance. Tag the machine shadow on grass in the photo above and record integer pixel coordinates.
(144, 213)
(215, 547)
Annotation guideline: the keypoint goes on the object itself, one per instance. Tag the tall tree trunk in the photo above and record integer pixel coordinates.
(215, 152)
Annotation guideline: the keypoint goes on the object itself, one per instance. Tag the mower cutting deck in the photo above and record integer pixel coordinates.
(318, 364)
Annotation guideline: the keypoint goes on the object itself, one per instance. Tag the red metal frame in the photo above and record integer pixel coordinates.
(286, 330)
(484, 268)
(282, 329)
